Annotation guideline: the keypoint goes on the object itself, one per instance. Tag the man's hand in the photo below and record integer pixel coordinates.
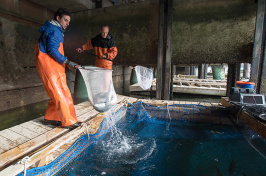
(71, 64)
(79, 50)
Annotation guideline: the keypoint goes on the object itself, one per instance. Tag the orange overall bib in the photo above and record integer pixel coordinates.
(52, 73)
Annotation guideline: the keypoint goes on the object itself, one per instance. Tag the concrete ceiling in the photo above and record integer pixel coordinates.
(71, 5)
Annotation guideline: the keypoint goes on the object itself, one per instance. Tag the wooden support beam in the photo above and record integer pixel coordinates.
(160, 52)
(256, 65)
(168, 49)
(230, 78)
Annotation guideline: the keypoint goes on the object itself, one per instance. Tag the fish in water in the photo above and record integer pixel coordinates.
(232, 167)
(218, 171)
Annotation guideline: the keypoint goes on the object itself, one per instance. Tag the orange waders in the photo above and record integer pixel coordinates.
(52, 73)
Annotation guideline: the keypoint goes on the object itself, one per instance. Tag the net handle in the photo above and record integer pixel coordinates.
(108, 59)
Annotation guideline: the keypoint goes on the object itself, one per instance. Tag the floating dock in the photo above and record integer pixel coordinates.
(190, 86)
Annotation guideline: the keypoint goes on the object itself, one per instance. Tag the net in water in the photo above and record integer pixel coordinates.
(100, 87)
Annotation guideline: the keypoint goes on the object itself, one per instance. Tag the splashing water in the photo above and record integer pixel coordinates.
(124, 147)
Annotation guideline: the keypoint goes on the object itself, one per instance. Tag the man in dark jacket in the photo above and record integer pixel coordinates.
(50, 63)
(104, 47)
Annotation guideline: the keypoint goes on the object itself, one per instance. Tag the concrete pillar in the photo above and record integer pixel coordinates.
(246, 71)
(174, 71)
(187, 70)
(192, 70)
(205, 71)
(201, 71)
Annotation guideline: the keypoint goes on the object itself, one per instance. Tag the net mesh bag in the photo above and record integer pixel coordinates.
(100, 87)
(144, 76)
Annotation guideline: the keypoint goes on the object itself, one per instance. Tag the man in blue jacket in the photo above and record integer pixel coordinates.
(50, 63)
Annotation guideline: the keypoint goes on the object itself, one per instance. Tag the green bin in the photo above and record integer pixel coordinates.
(218, 72)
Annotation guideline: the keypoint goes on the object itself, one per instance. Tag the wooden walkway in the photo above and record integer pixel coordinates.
(191, 86)
(22, 139)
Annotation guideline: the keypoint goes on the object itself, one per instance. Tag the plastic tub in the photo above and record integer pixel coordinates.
(243, 84)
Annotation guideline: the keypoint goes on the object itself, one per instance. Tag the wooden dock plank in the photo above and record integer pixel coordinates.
(34, 127)
(13, 136)
(21, 150)
(25, 132)
(48, 128)
(1, 151)
(83, 109)
(6, 144)
(88, 115)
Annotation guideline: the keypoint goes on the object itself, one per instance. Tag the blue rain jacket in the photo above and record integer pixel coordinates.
(50, 40)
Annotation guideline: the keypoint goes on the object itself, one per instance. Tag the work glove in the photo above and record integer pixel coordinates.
(71, 64)
(104, 56)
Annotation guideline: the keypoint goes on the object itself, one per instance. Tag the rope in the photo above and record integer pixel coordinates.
(237, 116)
(87, 129)
(24, 161)
(168, 115)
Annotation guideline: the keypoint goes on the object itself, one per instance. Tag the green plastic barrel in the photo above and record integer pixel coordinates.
(80, 90)
(218, 72)
(133, 77)
(155, 72)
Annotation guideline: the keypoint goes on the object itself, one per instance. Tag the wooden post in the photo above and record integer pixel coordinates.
(262, 88)
(168, 54)
(173, 71)
(159, 87)
(164, 49)
(230, 78)
(237, 72)
(187, 70)
(205, 71)
(255, 75)
(201, 71)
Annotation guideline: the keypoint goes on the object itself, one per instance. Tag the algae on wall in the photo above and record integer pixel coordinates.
(17, 52)
(217, 31)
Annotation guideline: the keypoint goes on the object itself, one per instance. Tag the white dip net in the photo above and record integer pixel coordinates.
(100, 87)
(144, 77)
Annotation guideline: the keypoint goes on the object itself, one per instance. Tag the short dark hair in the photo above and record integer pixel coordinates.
(61, 12)
(105, 25)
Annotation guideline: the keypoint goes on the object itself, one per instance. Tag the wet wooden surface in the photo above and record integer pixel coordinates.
(252, 122)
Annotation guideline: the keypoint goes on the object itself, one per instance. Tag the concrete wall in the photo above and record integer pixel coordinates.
(204, 31)
(118, 72)
(134, 28)
(213, 31)
(19, 24)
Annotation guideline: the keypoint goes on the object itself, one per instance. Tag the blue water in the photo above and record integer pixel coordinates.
(146, 148)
